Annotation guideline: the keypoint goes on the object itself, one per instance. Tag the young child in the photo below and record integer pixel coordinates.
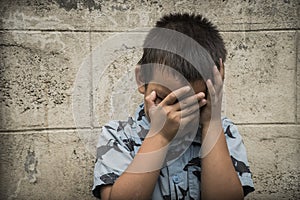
(176, 146)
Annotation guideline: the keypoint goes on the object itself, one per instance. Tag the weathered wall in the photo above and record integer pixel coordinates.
(45, 45)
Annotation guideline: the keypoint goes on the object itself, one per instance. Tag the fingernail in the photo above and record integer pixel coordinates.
(201, 94)
(187, 88)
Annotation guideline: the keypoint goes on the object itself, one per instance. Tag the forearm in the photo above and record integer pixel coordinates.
(139, 180)
(219, 179)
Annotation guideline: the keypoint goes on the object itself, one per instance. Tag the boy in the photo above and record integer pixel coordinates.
(177, 146)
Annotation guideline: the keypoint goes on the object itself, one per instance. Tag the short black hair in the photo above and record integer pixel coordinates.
(196, 28)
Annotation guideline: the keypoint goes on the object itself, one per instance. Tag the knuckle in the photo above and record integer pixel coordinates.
(177, 119)
(168, 112)
(172, 95)
(173, 117)
(147, 98)
(183, 103)
(189, 109)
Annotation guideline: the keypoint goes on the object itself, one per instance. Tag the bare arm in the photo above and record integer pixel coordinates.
(138, 185)
(219, 179)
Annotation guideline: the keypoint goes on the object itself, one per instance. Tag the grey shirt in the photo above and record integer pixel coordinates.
(180, 177)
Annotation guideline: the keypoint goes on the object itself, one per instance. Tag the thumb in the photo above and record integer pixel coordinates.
(151, 99)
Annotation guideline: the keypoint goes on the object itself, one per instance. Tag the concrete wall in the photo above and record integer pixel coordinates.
(53, 103)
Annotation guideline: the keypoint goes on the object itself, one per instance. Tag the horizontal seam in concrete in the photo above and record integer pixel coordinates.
(116, 31)
(267, 123)
(46, 130)
(69, 31)
(262, 30)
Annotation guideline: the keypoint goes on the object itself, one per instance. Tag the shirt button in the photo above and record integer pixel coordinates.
(175, 179)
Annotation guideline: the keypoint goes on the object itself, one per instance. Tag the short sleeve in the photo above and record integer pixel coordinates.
(113, 156)
(238, 154)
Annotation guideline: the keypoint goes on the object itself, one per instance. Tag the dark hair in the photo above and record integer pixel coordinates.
(175, 48)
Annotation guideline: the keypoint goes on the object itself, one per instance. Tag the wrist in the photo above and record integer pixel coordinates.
(208, 123)
(165, 135)
(212, 125)
(157, 138)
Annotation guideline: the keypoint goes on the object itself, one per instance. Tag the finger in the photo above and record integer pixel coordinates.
(211, 89)
(217, 77)
(193, 117)
(188, 101)
(190, 110)
(202, 102)
(175, 95)
(222, 70)
(150, 99)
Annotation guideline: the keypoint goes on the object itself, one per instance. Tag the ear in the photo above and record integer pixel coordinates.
(139, 79)
(222, 69)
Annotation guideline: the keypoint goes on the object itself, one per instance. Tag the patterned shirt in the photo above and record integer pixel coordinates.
(180, 179)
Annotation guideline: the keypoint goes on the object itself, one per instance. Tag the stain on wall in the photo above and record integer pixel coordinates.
(30, 166)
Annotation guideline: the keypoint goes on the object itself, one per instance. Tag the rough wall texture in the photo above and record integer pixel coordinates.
(49, 51)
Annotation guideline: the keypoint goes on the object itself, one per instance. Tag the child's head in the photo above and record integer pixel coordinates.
(177, 44)
(195, 27)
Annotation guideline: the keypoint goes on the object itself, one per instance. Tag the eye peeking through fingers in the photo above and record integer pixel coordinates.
(158, 99)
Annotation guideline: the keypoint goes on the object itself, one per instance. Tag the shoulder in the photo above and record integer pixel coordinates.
(230, 129)
(122, 133)
(226, 121)
(114, 126)
(118, 127)
(112, 131)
